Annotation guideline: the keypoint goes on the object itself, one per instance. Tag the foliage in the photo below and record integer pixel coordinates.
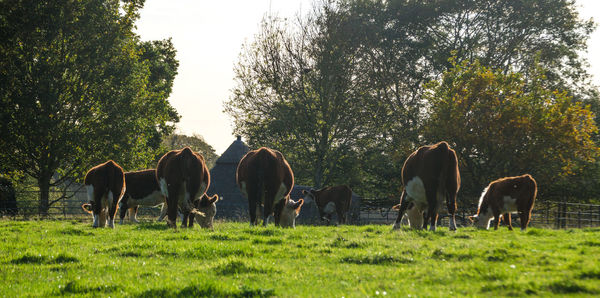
(78, 88)
(341, 93)
(237, 261)
(501, 125)
(196, 142)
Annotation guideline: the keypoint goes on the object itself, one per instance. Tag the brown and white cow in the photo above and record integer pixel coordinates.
(183, 178)
(207, 208)
(430, 175)
(142, 190)
(331, 199)
(285, 212)
(264, 177)
(504, 196)
(105, 185)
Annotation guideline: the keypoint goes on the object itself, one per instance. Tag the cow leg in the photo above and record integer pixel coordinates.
(191, 220)
(401, 210)
(163, 212)
(252, 210)
(97, 195)
(507, 220)
(268, 209)
(184, 220)
(113, 204)
(524, 216)
(432, 212)
(451, 204)
(496, 220)
(122, 211)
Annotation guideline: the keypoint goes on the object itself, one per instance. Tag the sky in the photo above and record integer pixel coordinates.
(208, 37)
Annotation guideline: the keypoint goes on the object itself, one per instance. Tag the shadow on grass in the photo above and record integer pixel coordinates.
(239, 267)
(590, 274)
(377, 259)
(568, 287)
(75, 232)
(74, 287)
(208, 290)
(152, 226)
(39, 259)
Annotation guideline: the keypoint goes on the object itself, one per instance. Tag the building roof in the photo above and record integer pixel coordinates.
(234, 152)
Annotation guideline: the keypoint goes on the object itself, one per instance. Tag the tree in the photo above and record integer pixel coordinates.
(503, 125)
(77, 88)
(294, 93)
(196, 142)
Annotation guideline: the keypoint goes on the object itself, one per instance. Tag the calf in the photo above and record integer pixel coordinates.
(286, 211)
(264, 177)
(430, 175)
(331, 199)
(142, 189)
(503, 196)
(105, 185)
(183, 178)
(207, 206)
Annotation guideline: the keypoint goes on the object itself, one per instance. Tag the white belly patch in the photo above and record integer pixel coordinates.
(509, 204)
(415, 189)
(153, 199)
(329, 208)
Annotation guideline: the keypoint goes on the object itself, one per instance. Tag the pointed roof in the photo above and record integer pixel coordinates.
(234, 152)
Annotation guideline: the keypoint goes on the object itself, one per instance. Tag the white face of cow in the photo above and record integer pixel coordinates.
(290, 211)
(209, 210)
(483, 219)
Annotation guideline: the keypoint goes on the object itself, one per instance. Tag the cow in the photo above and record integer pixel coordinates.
(207, 206)
(329, 200)
(504, 196)
(429, 175)
(264, 177)
(105, 185)
(183, 178)
(285, 212)
(142, 189)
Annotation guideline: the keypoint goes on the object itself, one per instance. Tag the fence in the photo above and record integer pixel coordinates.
(547, 214)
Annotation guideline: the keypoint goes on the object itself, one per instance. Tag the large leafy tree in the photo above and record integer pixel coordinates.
(295, 93)
(77, 87)
(504, 125)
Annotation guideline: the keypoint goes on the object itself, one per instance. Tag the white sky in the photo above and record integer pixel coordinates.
(208, 36)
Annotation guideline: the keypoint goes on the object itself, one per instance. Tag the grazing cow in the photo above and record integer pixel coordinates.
(142, 189)
(430, 176)
(503, 196)
(331, 199)
(264, 177)
(286, 211)
(105, 185)
(183, 178)
(207, 206)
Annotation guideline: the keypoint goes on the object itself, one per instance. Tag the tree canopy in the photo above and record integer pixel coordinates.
(342, 90)
(77, 87)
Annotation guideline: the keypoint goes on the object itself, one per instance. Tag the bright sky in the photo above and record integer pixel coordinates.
(208, 36)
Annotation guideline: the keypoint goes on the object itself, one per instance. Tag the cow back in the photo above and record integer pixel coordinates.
(141, 183)
(185, 165)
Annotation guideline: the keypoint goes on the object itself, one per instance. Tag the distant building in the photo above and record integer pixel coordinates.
(234, 205)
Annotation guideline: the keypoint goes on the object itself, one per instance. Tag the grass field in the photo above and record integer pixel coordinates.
(45, 258)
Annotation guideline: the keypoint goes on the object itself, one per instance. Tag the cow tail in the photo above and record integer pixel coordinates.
(260, 183)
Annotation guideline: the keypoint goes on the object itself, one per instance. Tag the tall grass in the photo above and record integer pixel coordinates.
(56, 258)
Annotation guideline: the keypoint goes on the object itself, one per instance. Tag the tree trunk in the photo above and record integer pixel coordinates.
(44, 185)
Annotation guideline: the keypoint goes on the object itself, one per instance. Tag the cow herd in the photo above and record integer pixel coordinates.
(430, 177)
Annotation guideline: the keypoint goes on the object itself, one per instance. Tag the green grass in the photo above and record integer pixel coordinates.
(57, 258)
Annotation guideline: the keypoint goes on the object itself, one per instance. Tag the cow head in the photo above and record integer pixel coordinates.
(207, 208)
(325, 210)
(100, 218)
(482, 219)
(286, 211)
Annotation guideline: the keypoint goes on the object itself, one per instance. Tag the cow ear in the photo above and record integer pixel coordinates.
(298, 204)
(87, 207)
(213, 199)
(396, 207)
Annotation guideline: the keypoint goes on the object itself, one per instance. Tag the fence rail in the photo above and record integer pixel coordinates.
(548, 214)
